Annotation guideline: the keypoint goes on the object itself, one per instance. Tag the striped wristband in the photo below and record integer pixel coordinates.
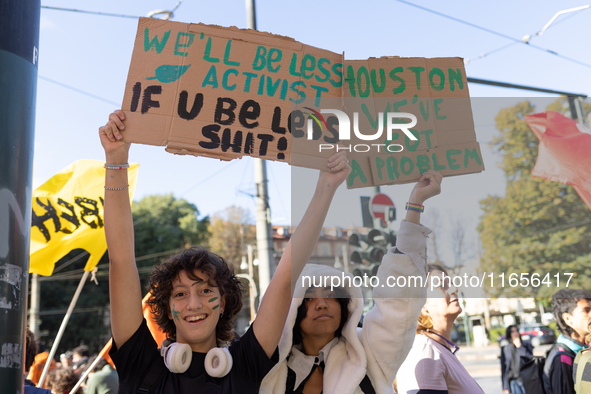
(414, 207)
(116, 166)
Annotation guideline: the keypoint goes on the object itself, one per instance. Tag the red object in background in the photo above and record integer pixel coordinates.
(564, 154)
(154, 328)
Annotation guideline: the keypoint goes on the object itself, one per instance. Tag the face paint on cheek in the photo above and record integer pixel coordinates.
(212, 299)
(215, 307)
(175, 313)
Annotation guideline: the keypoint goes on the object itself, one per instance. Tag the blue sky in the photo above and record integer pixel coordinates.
(92, 53)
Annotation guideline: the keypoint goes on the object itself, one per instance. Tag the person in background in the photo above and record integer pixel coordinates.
(322, 349)
(30, 352)
(431, 367)
(582, 367)
(66, 359)
(510, 360)
(62, 380)
(80, 358)
(37, 368)
(103, 381)
(572, 310)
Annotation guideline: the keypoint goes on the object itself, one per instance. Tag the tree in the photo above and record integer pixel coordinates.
(230, 233)
(539, 227)
(164, 223)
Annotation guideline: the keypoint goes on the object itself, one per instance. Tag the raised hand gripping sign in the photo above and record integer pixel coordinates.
(227, 92)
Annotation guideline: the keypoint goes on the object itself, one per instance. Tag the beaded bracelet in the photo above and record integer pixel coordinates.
(116, 188)
(116, 166)
(414, 207)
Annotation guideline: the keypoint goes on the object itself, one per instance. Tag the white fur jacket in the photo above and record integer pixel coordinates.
(379, 348)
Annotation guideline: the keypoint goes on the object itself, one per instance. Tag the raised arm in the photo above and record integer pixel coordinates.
(389, 327)
(124, 282)
(274, 309)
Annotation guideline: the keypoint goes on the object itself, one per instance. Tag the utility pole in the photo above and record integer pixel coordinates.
(263, 224)
(19, 53)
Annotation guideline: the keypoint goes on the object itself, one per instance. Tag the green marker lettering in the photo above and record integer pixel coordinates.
(412, 146)
(293, 64)
(380, 163)
(436, 108)
(374, 84)
(417, 71)
(392, 166)
(225, 79)
(423, 163)
(227, 60)
(471, 154)
(248, 76)
(260, 56)
(362, 72)
(158, 45)
(436, 166)
(275, 59)
(178, 44)
(427, 133)
(357, 172)
(451, 161)
(211, 78)
(323, 70)
(424, 113)
(206, 55)
(457, 77)
(337, 69)
(308, 67)
(439, 73)
(351, 80)
(272, 87)
(395, 78)
(403, 164)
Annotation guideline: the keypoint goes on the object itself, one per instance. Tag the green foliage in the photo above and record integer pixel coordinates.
(495, 333)
(230, 233)
(539, 226)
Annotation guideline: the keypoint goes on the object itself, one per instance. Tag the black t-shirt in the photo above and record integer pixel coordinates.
(134, 358)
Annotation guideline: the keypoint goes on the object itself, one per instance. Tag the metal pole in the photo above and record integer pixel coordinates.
(58, 337)
(263, 227)
(252, 289)
(34, 308)
(19, 50)
(263, 224)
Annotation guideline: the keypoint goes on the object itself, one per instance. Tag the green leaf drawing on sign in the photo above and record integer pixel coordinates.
(169, 73)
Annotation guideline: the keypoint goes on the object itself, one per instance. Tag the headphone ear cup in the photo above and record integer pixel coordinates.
(177, 356)
(218, 362)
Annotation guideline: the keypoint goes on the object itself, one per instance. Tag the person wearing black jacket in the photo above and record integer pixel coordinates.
(510, 360)
(572, 310)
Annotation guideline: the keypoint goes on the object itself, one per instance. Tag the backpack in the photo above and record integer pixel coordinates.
(532, 372)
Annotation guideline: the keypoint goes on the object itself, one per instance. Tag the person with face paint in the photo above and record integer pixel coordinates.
(195, 296)
(432, 366)
(322, 348)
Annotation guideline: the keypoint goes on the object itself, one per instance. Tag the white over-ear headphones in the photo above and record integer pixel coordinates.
(177, 358)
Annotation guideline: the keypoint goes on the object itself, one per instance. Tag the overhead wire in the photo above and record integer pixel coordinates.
(94, 96)
(467, 61)
(90, 12)
(516, 40)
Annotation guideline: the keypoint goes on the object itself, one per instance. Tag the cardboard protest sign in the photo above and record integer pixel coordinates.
(228, 92)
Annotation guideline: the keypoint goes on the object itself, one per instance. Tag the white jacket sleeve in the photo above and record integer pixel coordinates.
(389, 328)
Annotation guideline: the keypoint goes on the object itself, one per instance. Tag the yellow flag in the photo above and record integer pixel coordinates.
(68, 212)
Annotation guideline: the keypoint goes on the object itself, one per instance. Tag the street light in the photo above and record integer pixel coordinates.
(528, 37)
